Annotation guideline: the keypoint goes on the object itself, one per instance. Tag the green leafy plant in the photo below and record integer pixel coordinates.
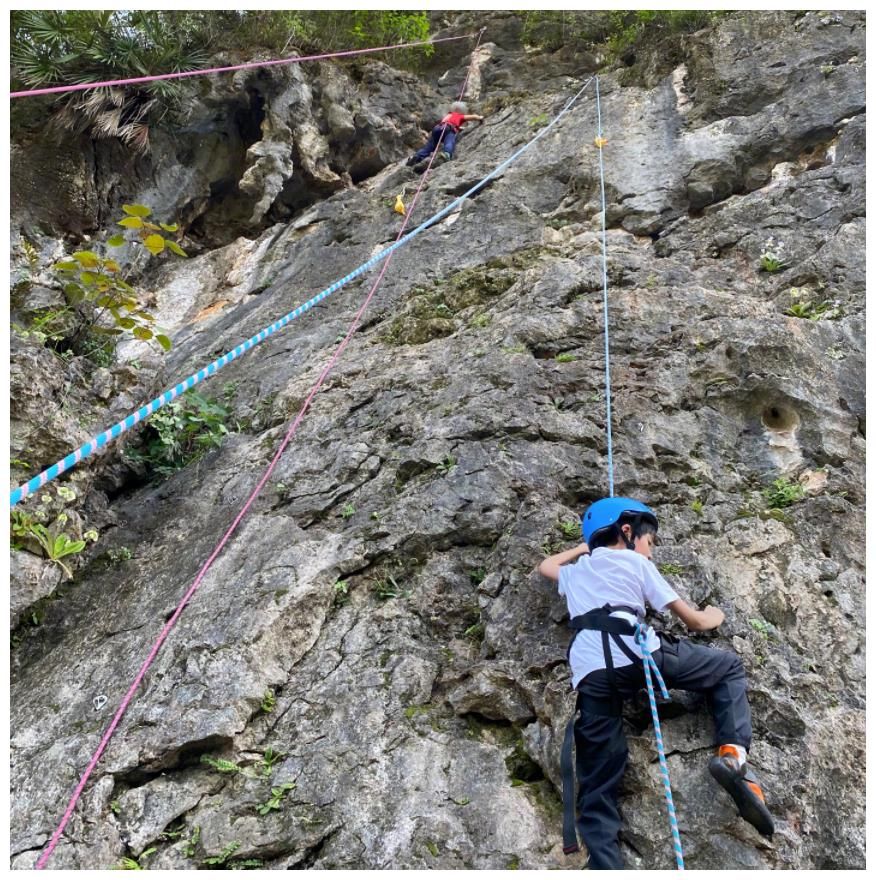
(27, 533)
(808, 307)
(220, 764)
(269, 758)
(388, 588)
(480, 321)
(783, 493)
(223, 856)
(269, 701)
(670, 568)
(476, 632)
(696, 505)
(115, 807)
(538, 121)
(772, 257)
(570, 528)
(565, 358)
(128, 864)
(762, 627)
(348, 511)
(182, 432)
(278, 794)
(95, 290)
(341, 594)
(477, 575)
(192, 842)
(119, 555)
(446, 465)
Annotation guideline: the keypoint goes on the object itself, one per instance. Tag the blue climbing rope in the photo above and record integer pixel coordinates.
(600, 142)
(650, 666)
(110, 434)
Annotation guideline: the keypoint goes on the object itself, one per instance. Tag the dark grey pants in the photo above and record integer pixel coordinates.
(601, 745)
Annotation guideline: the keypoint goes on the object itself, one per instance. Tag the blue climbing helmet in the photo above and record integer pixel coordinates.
(607, 512)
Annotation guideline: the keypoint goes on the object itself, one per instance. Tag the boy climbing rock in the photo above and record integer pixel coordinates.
(606, 590)
(449, 127)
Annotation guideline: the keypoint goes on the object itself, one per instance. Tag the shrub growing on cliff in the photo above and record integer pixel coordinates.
(99, 302)
(615, 30)
(77, 46)
(182, 432)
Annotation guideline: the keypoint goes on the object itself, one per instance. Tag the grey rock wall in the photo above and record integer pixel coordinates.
(383, 589)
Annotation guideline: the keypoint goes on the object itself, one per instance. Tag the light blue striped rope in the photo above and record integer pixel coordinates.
(605, 300)
(651, 666)
(144, 412)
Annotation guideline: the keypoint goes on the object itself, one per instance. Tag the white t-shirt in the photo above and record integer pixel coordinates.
(618, 577)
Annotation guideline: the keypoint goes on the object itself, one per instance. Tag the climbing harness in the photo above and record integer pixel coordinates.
(153, 406)
(56, 836)
(210, 70)
(599, 619)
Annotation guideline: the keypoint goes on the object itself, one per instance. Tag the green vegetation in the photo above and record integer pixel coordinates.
(570, 528)
(223, 856)
(783, 493)
(220, 764)
(341, 593)
(27, 532)
(127, 864)
(387, 588)
(97, 304)
(269, 701)
(670, 568)
(613, 31)
(119, 555)
(77, 46)
(476, 576)
(696, 505)
(564, 358)
(269, 758)
(446, 465)
(413, 711)
(772, 257)
(348, 511)
(182, 432)
(761, 626)
(278, 795)
(806, 306)
(476, 632)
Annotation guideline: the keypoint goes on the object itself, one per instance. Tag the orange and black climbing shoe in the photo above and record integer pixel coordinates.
(742, 785)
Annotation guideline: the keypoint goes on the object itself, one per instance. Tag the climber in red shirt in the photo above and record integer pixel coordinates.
(444, 133)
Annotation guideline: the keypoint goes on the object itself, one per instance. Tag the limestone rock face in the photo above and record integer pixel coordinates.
(372, 674)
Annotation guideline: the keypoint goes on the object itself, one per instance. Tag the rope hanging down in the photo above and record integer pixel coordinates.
(54, 90)
(650, 665)
(127, 423)
(641, 631)
(600, 142)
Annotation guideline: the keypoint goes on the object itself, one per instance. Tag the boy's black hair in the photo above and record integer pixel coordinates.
(608, 537)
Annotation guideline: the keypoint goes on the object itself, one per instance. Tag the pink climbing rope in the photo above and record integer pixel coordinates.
(47, 852)
(53, 90)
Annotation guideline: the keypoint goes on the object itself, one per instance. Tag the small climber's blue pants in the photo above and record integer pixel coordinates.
(434, 139)
(601, 745)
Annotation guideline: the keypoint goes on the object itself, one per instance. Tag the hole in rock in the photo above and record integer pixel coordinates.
(777, 417)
